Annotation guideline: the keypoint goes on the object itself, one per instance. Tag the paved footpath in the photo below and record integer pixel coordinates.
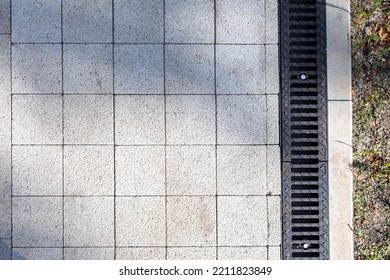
(133, 129)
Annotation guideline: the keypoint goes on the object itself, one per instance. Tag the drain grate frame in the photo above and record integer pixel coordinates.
(304, 151)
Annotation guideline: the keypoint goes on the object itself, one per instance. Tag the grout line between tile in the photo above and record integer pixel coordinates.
(165, 136)
(216, 130)
(63, 134)
(113, 122)
(11, 177)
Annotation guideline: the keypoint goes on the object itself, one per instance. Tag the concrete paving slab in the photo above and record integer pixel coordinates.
(140, 253)
(5, 192)
(139, 69)
(36, 68)
(37, 254)
(5, 11)
(189, 21)
(189, 69)
(273, 170)
(190, 119)
(274, 220)
(37, 170)
(191, 221)
(241, 119)
(88, 170)
(32, 214)
(241, 170)
(271, 22)
(5, 131)
(88, 68)
(87, 21)
(273, 122)
(140, 170)
(242, 253)
(341, 181)
(240, 69)
(245, 223)
(5, 249)
(88, 119)
(146, 218)
(191, 253)
(274, 253)
(340, 130)
(36, 21)
(272, 69)
(191, 170)
(240, 21)
(37, 119)
(89, 253)
(88, 221)
(139, 21)
(139, 119)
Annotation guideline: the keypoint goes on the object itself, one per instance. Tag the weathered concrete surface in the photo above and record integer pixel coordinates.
(340, 129)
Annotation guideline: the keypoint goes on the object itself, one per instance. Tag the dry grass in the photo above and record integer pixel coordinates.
(371, 127)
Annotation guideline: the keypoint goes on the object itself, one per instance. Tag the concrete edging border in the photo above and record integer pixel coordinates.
(340, 130)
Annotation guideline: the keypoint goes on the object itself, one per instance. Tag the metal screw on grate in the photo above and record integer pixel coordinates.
(302, 77)
(304, 129)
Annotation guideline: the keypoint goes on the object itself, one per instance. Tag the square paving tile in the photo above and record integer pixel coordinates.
(5, 249)
(189, 21)
(140, 253)
(88, 221)
(245, 224)
(88, 170)
(139, 21)
(272, 69)
(139, 120)
(191, 170)
(140, 221)
(241, 119)
(191, 221)
(88, 21)
(37, 254)
(273, 170)
(240, 21)
(242, 170)
(5, 26)
(242, 253)
(274, 253)
(88, 119)
(190, 69)
(274, 221)
(37, 170)
(36, 21)
(88, 253)
(191, 253)
(240, 69)
(139, 69)
(273, 122)
(140, 170)
(32, 214)
(88, 68)
(190, 119)
(37, 119)
(36, 68)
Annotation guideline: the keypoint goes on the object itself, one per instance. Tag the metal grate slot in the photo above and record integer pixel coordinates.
(304, 129)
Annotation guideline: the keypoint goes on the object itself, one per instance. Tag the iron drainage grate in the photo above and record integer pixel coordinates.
(304, 129)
